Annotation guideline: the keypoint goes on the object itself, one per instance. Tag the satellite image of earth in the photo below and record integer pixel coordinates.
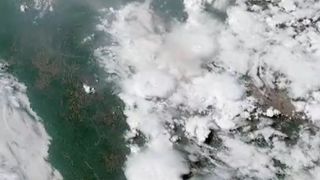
(159, 89)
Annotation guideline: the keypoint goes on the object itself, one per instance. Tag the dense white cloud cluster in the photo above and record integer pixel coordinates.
(41, 5)
(24, 142)
(213, 98)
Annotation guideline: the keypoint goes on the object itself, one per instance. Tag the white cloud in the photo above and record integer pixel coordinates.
(191, 75)
(24, 142)
(159, 161)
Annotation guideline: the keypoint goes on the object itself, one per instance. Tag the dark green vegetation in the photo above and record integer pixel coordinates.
(47, 54)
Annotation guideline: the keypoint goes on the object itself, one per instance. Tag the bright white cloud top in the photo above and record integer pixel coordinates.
(215, 97)
(40, 5)
(24, 142)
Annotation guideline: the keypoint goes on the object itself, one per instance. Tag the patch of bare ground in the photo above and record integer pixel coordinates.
(48, 69)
